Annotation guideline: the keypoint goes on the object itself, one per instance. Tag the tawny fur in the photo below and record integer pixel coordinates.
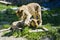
(28, 12)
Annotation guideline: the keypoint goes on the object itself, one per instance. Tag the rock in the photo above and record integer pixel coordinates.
(46, 38)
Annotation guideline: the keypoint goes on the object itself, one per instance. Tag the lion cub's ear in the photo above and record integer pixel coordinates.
(19, 13)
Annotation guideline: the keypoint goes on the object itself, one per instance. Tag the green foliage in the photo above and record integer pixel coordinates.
(9, 16)
(16, 33)
(52, 33)
(35, 35)
(2, 6)
(57, 10)
(48, 26)
(47, 16)
(25, 31)
(5, 26)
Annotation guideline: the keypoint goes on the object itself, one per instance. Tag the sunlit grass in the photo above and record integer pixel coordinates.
(2, 6)
(5, 26)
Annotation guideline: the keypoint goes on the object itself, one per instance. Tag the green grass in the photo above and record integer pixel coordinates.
(5, 26)
(2, 6)
(52, 33)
